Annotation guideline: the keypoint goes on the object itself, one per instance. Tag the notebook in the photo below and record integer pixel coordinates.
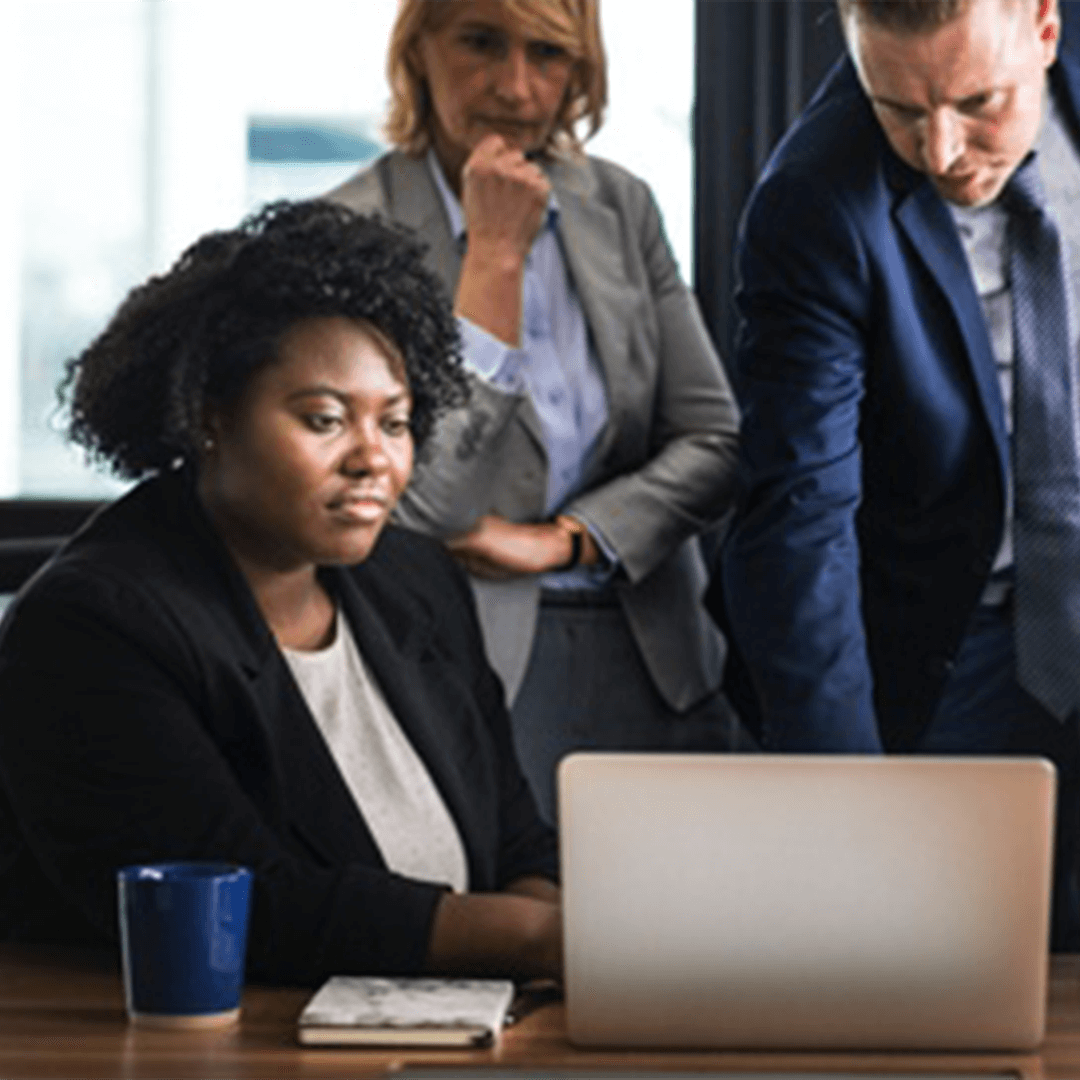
(806, 902)
(369, 1011)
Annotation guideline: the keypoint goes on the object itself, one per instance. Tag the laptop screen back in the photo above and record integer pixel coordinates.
(805, 901)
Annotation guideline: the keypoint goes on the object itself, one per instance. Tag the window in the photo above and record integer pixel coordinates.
(142, 124)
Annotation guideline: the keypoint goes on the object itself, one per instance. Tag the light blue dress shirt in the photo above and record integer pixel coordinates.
(555, 365)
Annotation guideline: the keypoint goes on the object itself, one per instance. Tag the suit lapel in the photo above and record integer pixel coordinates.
(321, 810)
(591, 238)
(927, 223)
(1065, 85)
(317, 805)
(414, 201)
(393, 632)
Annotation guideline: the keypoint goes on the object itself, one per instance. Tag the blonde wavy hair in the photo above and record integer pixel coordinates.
(572, 24)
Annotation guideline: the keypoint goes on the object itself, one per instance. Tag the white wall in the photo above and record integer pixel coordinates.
(10, 256)
(131, 143)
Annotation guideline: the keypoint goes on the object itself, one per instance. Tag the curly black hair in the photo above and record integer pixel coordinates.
(187, 342)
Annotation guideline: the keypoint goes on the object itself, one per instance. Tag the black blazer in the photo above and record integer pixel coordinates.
(146, 713)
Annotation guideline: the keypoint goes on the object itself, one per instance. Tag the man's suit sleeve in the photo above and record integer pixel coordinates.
(792, 563)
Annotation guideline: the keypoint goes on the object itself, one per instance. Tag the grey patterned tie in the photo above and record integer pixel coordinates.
(1046, 463)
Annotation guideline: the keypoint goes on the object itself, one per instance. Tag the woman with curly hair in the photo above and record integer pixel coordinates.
(600, 437)
(239, 660)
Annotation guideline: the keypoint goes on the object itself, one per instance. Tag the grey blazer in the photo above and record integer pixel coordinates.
(662, 470)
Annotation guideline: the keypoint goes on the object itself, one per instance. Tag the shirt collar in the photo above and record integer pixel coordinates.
(453, 205)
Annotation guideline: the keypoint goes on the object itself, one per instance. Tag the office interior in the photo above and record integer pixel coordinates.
(138, 125)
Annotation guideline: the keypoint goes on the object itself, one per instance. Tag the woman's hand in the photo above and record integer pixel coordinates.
(500, 550)
(497, 934)
(504, 197)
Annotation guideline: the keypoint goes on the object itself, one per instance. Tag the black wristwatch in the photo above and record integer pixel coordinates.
(576, 531)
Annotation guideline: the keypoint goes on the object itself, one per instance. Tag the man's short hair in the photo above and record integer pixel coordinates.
(904, 16)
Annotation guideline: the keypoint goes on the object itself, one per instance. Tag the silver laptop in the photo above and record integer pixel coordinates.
(804, 902)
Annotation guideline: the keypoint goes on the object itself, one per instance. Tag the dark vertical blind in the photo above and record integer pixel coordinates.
(757, 63)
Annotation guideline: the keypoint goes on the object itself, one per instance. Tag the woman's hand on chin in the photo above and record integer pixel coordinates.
(504, 197)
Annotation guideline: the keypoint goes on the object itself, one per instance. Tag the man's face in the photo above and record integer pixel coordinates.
(961, 103)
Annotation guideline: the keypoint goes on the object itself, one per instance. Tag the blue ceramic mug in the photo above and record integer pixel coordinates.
(183, 939)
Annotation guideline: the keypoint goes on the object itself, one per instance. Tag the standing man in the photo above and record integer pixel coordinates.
(904, 571)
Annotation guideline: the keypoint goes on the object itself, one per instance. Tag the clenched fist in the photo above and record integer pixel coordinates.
(504, 196)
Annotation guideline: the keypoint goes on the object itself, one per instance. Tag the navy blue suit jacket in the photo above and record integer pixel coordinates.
(874, 446)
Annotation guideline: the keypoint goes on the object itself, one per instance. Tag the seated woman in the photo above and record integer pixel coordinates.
(238, 660)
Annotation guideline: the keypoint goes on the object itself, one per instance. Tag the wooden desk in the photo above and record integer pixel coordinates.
(61, 1015)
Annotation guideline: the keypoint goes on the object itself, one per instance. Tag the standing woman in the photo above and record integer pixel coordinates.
(600, 436)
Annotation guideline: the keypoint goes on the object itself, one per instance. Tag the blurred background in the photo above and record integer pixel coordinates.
(131, 127)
